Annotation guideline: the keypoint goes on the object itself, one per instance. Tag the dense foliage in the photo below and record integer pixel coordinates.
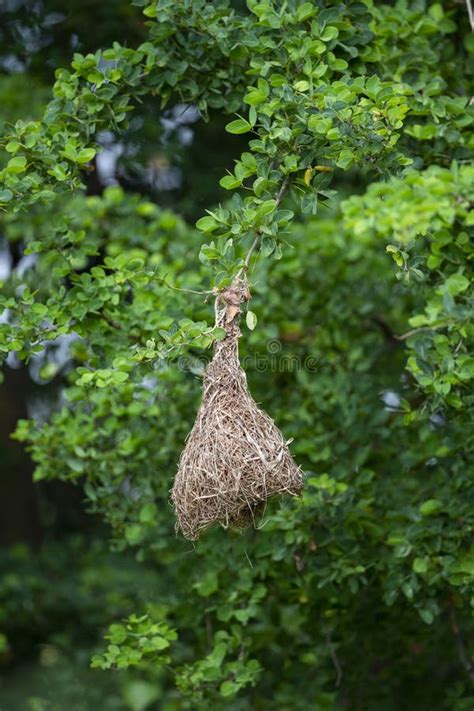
(355, 188)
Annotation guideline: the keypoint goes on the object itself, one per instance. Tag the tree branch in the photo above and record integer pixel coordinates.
(334, 657)
(414, 331)
(278, 199)
(463, 654)
(470, 12)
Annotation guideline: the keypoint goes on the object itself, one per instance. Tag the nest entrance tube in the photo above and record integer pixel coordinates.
(235, 457)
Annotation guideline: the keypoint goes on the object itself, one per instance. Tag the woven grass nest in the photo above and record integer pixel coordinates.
(235, 457)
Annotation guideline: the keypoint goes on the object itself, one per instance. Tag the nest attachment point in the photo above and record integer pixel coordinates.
(235, 457)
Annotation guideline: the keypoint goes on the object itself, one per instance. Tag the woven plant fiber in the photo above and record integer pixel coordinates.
(235, 457)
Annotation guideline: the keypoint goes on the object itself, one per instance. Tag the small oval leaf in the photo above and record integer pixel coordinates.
(251, 320)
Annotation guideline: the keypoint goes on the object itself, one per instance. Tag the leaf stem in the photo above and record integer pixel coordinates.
(178, 288)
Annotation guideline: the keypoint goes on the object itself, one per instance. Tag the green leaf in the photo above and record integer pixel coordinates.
(345, 158)
(238, 126)
(206, 224)
(5, 195)
(150, 11)
(160, 643)
(134, 534)
(120, 376)
(228, 688)
(139, 694)
(253, 98)
(319, 124)
(58, 172)
(302, 85)
(265, 209)
(219, 333)
(456, 283)
(16, 165)
(229, 182)
(12, 146)
(267, 246)
(420, 565)
(329, 34)
(430, 507)
(304, 11)
(148, 513)
(96, 77)
(251, 320)
(70, 152)
(86, 155)
(426, 615)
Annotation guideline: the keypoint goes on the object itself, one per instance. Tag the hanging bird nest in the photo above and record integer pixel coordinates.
(235, 457)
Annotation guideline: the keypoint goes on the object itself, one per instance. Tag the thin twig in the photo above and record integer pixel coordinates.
(458, 347)
(334, 657)
(178, 288)
(110, 320)
(209, 630)
(282, 190)
(470, 12)
(252, 249)
(278, 199)
(463, 654)
(414, 331)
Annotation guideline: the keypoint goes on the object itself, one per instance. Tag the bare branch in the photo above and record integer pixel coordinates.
(470, 12)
